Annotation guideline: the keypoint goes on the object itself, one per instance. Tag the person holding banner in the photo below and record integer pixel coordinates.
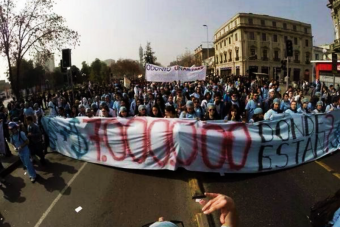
(318, 109)
(269, 115)
(334, 105)
(189, 112)
(211, 113)
(304, 107)
(170, 111)
(293, 108)
(141, 111)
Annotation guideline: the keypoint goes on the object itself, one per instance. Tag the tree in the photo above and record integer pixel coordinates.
(125, 67)
(187, 60)
(100, 72)
(85, 68)
(36, 28)
(149, 55)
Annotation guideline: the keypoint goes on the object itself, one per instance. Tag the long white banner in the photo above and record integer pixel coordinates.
(151, 143)
(156, 73)
(2, 139)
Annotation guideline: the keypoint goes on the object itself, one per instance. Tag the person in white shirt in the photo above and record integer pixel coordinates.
(52, 105)
(334, 105)
(318, 109)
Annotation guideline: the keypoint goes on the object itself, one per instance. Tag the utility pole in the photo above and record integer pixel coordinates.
(207, 39)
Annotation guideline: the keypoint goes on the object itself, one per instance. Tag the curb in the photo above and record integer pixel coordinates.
(10, 168)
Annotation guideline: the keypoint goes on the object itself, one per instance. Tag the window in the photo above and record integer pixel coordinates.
(306, 30)
(216, 59)
(294, 27)
(251, 35)
(275, 38)
(284, 26)
(274, 24)
(235, 23)
(295, 41)
(230, 53)
(296, 56)
(265, 54)
(307, 43)
(264, 37)
(225, 43)
(221, 44)
(229, 40)
(252, 52)
(250, 21)
(316, 56)
(236, 52)
(236, 39)
(276, 54)
(286, 38)
(263, 22)
(307, 58)
(225, 57)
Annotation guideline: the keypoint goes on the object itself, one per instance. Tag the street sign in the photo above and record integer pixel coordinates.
(334, 63)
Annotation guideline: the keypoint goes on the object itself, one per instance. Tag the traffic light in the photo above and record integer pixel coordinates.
(289, 48)
(66, 54)
(62, 68)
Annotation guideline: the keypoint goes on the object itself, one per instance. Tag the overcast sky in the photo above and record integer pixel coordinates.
(116, 28)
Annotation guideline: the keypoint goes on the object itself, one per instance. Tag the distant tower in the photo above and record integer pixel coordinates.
(141, 54)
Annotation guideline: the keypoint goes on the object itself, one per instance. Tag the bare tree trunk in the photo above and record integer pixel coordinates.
(18, 65)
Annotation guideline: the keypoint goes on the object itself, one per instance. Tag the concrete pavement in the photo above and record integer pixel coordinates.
(117, 197)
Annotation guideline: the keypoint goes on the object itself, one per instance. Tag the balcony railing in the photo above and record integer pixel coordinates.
(229, 60)
(265, 58)
(237, 59)
(297, 61)
(277, 59)
(307, 62)
(253, 58)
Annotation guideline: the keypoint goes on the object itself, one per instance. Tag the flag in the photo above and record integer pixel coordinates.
(127, 83)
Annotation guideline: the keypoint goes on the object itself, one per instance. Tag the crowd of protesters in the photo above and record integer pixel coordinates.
(227, 98)
(231, 98)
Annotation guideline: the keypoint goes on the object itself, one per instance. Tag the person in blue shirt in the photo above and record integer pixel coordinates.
(304, 107)
(269, 115)
(285, 103)
(190, 112)
(293, 108)
(251, 106)
(20, 142)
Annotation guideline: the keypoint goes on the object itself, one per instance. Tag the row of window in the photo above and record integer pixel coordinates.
(264, 38)
(264, 56)
(274, 24)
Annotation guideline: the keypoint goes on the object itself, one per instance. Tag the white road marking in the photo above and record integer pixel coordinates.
(59, 196)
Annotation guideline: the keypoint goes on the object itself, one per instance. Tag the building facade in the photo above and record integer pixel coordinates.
(202, 58)
(201, 54)
(251, 43)
(334, 5)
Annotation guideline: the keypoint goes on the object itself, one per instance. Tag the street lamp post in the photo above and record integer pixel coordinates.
(207, 39)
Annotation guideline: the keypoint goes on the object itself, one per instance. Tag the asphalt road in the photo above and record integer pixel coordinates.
(108, 196)
(128, 198)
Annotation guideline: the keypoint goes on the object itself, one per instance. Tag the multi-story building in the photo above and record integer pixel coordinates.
(250, 43)
(334, 5)
(201, 56)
